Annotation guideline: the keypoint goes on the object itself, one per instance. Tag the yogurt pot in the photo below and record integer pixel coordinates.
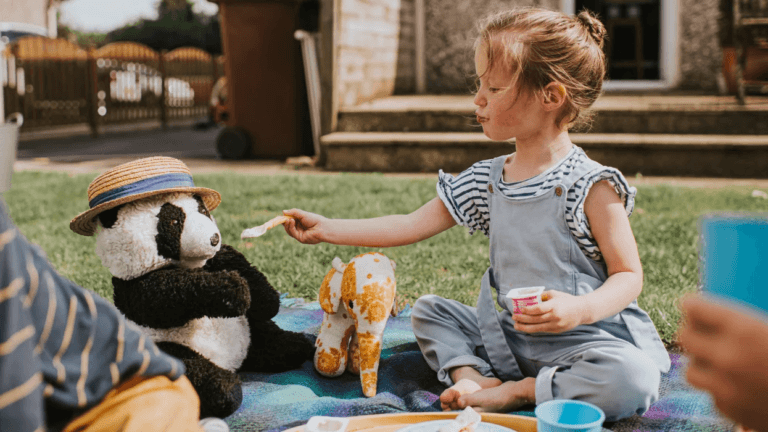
(519, 298)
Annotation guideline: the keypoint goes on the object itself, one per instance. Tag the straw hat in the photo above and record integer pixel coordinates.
(135, 180)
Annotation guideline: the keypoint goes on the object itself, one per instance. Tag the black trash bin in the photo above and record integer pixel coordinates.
(267, 104)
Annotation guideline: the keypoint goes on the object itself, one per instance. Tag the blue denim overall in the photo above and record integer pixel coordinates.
(614, 363)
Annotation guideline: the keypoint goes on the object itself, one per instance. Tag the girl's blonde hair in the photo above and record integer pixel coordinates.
(539, 46)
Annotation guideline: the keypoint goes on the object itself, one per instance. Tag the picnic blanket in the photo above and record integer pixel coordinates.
(406, 384)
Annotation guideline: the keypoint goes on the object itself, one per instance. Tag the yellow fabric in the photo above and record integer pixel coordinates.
(144, 404)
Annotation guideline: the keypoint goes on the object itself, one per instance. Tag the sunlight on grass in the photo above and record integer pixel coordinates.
(449, 264)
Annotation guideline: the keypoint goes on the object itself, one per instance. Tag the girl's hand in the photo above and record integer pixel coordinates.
(558, 312)
(305, 227)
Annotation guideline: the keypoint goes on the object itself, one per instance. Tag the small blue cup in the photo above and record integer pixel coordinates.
(569, 416)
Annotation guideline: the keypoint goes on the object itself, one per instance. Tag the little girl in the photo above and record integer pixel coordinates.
(554, 217)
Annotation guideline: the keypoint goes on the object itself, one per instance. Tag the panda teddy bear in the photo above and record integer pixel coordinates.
(198, 299)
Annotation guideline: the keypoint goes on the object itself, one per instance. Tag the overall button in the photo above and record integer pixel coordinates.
(490, 188)
(558, 191)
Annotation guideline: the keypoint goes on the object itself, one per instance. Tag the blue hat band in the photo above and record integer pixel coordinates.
(163, 181)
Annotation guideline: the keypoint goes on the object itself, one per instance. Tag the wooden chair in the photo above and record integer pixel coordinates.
(750, 29)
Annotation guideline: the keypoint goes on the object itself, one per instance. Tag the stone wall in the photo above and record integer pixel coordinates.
(701, 56)
(405, 81)
(450, 35)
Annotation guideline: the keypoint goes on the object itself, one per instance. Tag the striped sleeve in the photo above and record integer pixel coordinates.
(466, 196)
(61, 345)
(574, 215)
(86, 346)
(21, 389)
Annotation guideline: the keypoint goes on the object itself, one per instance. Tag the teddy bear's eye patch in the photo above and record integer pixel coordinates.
(109, 217)
(170, 224)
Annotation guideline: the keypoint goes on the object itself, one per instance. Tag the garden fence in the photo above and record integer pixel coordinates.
(54, 82)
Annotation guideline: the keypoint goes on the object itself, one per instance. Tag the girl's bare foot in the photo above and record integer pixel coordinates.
(468, 381)
(503, 398)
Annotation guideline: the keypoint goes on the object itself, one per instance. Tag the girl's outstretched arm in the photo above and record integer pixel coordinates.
(613, 234)
(385, 231)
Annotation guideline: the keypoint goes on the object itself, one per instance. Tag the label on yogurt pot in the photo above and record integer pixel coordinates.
(521, 297)
(520, 303)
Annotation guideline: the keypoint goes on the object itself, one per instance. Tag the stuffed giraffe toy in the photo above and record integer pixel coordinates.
(358, 299)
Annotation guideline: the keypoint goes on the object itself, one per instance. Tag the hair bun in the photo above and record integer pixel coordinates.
(593, 25)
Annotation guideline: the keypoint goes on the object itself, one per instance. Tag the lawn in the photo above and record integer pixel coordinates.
(449, 265)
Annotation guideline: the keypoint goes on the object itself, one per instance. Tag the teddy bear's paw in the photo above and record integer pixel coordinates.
(301, 348)
(220, 390)
(233, 298)
(223, 404)
(213, 424)
(276, 350)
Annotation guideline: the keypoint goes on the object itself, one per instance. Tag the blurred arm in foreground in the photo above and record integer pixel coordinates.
(728, 351)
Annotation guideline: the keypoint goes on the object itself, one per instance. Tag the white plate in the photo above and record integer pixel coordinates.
(435, 425)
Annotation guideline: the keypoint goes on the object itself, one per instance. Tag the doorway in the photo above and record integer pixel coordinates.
(633, 45)
(657, 41)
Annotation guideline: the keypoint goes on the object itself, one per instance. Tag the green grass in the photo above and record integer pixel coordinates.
(449, 265)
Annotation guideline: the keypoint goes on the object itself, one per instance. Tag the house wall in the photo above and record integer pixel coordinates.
(405, 79)
(701, 56)
(24, 11)
(450, 33)
(376, 51)
(450, 36)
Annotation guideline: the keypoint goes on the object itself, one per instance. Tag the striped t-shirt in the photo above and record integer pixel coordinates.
(62, 347)
(466, 195)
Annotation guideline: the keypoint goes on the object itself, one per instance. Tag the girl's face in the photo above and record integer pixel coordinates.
(504, 112)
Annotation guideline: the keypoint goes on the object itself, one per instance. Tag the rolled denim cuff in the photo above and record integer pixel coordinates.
(544, 384)
(476, 363)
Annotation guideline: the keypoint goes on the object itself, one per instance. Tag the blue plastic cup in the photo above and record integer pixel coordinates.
(569, 416)
(734, 254)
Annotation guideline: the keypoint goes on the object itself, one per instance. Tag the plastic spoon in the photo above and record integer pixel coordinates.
(262, 229)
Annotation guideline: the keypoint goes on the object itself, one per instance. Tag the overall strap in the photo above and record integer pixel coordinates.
(497, 167)
(494, 176)
(502, 359)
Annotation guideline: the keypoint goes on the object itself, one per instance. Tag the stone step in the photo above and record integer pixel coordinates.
(737, 156)
(674, 114)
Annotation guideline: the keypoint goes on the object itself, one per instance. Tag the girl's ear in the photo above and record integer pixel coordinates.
(554, 96)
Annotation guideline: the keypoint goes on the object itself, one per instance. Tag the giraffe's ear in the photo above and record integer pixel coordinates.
(338, 265)
(329, 295)
(395, 307)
